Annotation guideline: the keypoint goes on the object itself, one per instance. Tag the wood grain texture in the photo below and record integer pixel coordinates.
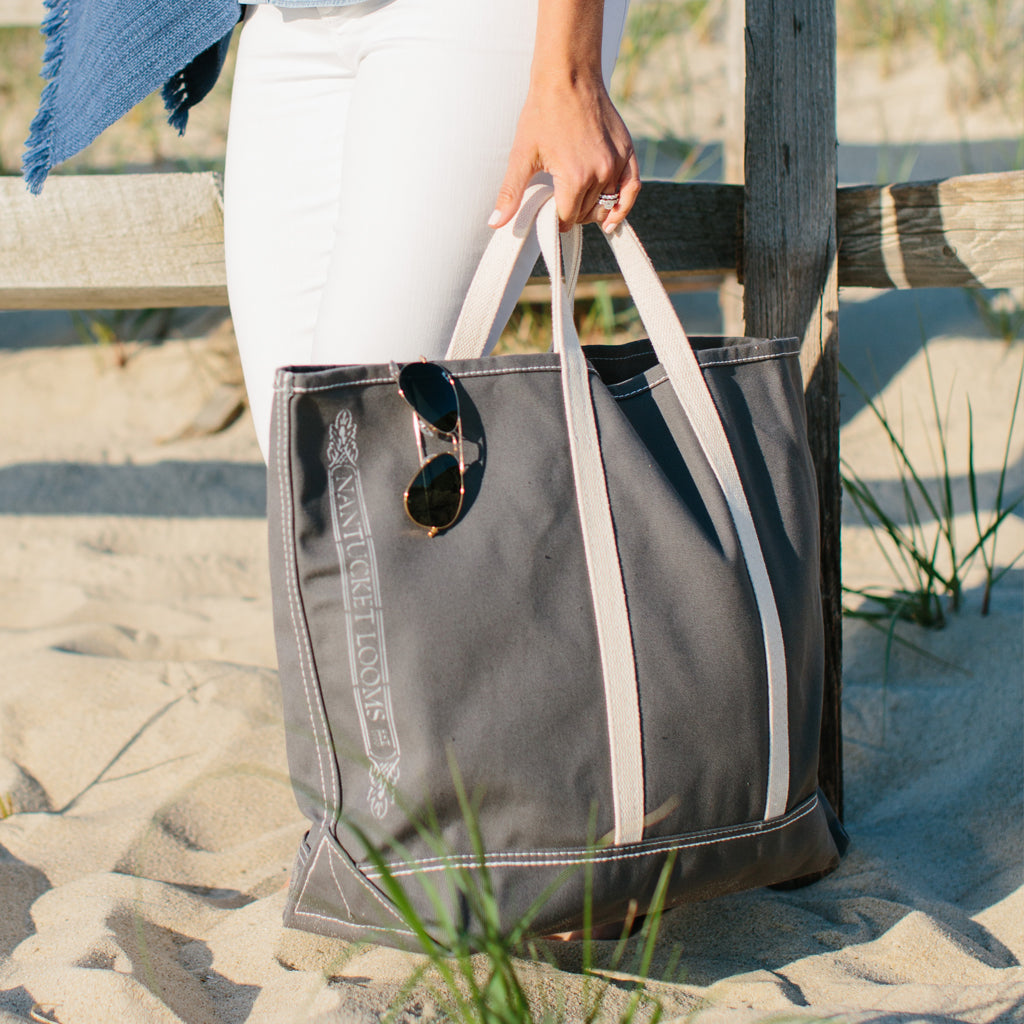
(790, 266)
(112, 241)
(693, 227)
(21, 13)
(963, 231)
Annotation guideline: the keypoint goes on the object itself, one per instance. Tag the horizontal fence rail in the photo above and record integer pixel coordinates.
(118, 241)
(21, 13)
(149, 240)
(967, 230)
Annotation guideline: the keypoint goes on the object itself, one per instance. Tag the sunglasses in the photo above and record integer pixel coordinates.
(434, 496)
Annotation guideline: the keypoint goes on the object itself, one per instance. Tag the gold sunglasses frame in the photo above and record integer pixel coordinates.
(453, 437)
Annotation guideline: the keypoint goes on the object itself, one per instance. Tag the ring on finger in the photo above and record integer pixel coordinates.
(607, 200)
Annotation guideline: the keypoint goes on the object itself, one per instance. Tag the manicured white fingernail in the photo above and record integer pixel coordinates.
(494, 218)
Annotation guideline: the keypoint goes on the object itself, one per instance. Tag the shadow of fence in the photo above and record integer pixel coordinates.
(216, 489)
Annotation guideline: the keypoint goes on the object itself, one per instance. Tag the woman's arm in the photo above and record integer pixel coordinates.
(568, 125)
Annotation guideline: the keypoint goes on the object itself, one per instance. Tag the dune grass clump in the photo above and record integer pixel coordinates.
(1001, 311)
(987, 35)
(473, 965)
(920, 544)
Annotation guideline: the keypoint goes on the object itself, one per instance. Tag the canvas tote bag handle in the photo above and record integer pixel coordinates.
(487, 289)
(676, 356)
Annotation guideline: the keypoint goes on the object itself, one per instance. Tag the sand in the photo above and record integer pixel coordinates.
(141, 872)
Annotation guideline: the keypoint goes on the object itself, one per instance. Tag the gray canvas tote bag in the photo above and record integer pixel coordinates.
(615, 649)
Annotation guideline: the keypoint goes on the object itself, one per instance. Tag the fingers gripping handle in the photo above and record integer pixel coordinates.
(480, 308)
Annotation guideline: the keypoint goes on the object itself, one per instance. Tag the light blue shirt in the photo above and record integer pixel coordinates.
(305, 3)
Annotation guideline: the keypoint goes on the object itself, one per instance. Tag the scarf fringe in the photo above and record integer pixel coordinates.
(177, 101)
(38, 156)
(183, 90)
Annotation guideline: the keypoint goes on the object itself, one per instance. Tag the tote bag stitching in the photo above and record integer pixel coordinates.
(670, 842)
(337, 885)
(297, 612)
(705, 361)
(324, 843)
(332, 855)
(711, 363)
(741, 360)
(650, 385)
(305, 885)
(302, 389)
(361, 926)
(554, 858)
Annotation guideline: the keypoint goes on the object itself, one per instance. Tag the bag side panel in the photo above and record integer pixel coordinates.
(313, 771)
(329, 895)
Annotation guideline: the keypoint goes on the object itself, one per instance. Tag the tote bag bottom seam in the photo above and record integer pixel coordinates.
(582, 855)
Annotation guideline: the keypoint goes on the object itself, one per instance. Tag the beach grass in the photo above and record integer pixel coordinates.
(919, 542)
(987, 525)
(1001, 311)
(986, 36)
(473, 962)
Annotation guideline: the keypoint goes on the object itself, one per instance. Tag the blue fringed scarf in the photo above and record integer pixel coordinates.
(104, 56)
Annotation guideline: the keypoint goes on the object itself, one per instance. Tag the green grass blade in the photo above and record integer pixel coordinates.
(918, 564)
(895, 442)
(972, 486)
(1009, 438)
(946, 523)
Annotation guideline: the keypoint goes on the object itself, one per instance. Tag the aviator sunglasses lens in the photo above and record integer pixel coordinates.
(434, 497)
(431, 392)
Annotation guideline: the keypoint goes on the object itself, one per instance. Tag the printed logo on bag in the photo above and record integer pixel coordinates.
(364, 617)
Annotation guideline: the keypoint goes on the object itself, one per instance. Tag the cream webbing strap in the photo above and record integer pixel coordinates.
(608, 594)
(487, 289)
(676, 357)
(622, 704)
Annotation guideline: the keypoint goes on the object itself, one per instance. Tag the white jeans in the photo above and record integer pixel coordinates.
(365, 150)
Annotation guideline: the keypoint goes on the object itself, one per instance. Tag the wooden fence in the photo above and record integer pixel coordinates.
(789, 235)
(21, 13)
(127, 241)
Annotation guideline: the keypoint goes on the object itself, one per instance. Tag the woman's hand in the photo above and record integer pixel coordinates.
(569, 126)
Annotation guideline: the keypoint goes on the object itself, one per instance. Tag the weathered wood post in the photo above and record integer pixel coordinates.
(790, 265)
(730, 292)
